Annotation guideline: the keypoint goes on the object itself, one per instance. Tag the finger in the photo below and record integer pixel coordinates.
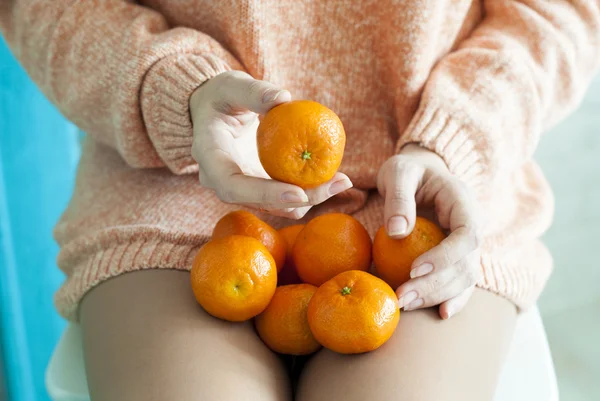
(460, 243)
(433, 298)
(400, 185)
(260, 192)
(454, 305)
(288, 213)
(232, 186)
(297, 213)
(241, 91)
(339, 183)
(453, 205)
(435, 288)
(420, 292)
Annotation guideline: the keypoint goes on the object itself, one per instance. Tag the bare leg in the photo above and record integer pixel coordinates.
(146, 338)
(426, 359)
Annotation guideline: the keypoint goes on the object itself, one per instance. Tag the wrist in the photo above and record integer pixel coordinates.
(196, 97)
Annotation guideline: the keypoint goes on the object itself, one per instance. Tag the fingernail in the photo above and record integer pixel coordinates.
(339, 186)
(421, 270)
(449, 312)
(293, 197)
(407, 299)
(272, 95)
(397, 225)
(414, 305)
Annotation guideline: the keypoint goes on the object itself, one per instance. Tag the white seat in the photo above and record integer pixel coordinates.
(65, 375)
(528, 374)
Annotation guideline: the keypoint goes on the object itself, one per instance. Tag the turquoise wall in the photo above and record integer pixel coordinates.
(38, 155)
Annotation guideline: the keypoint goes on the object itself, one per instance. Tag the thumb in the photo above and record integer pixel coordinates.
(244, 92)
(400, 185)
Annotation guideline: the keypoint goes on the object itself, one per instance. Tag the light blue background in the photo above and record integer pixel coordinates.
(38, 155)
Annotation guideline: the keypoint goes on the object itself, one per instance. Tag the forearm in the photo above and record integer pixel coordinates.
(524, 68)
(113, 68)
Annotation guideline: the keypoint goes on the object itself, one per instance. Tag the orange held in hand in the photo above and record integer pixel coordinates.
(354, 312)
(234, 278)
(242, 222)
(331, 244)
(301, 143)
(288, 274)
(283, 326)
(394, 257)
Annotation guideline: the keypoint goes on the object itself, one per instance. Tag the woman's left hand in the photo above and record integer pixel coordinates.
(445, 275)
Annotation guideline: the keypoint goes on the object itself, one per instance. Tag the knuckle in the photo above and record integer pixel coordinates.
(397, 167)
(460, 186)
(462, 267)
(474, 237)
(404, 167)
(401, 196)
(227, 79)
(256, 88)
(265, 198)
(431, 286)
(445, 253)
(410, 168)
(231, 77)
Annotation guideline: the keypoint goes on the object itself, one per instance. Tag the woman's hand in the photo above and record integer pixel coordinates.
(447, 274)
(225, 113)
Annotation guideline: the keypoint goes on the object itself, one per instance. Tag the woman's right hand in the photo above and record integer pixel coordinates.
(225, 113)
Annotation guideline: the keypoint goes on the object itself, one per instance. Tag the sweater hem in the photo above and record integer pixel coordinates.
(101, 265)
(509, 280)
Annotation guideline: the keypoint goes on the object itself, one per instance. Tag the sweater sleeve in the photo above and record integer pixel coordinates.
(524, 68)
(118, 71)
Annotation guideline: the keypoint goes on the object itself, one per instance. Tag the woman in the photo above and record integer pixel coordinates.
(443, 103)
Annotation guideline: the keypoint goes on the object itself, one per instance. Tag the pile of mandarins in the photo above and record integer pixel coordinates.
(306, 286)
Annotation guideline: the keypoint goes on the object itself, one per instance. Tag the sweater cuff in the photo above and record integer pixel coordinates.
(166, 93)
(452, 138)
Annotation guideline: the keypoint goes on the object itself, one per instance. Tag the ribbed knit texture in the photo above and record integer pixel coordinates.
(474, 81)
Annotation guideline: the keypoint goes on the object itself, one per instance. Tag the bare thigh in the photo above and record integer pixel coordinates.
(146, 338)
(426, 359)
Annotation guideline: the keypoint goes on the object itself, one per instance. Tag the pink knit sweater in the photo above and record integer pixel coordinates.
(475, 81)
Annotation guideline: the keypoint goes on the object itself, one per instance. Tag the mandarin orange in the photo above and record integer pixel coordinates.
(394, 257)
(354, 312)
(283, 326)
(301, 143)
(331, 244)
(234, 278)
(242, 222)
